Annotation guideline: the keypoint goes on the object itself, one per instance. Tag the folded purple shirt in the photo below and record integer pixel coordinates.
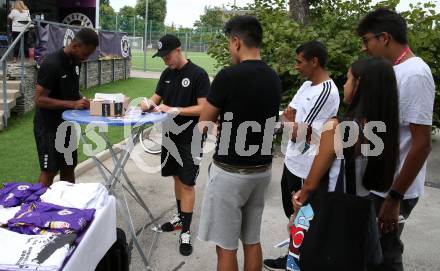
(14, 194)
(41, 217)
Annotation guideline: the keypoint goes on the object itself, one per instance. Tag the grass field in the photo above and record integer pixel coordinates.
(18, 154)
(156, 64)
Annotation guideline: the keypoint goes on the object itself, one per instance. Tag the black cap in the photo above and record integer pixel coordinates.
(166, 44)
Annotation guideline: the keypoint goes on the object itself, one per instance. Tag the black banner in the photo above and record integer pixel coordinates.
(51, 38)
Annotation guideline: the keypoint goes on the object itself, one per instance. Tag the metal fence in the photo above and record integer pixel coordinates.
(193, 39)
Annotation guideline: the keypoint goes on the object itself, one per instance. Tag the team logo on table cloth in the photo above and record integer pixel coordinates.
(68, 37)
(78, 19)
(159, 45)
(125, 46)
(185, 82)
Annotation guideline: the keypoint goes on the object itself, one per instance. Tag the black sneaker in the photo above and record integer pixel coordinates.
(173, 225)
(275, 264)
(185, 247)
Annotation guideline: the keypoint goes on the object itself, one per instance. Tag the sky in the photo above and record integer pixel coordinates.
(186, 12)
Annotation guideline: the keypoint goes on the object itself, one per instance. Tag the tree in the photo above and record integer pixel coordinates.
(127, 20)
(107, 17)
(333, 22)
(212, 18)
(104, 2)
(299, 10)
(127, 11)
(157, 10)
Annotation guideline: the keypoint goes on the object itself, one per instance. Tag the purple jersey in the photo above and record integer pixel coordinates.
(14, 194)
(41, 217)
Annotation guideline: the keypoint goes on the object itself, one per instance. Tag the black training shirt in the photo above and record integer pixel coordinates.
(250, 90)
(181, 88)
(58, 74)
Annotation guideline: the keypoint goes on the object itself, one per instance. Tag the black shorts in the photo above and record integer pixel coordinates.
(187, 171)
(50, 159)
(289, 183)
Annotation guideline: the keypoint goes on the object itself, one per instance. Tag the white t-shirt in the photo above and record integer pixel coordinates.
(17, 16)
(7, 213)
(416, 102)
(333, 175)
(80, 195)
(360, 167)
(314, 105)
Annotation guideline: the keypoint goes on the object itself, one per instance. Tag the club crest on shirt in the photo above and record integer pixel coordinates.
(185, 82)
(77, 70)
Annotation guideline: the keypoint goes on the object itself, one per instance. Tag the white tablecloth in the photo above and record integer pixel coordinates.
(98, 239)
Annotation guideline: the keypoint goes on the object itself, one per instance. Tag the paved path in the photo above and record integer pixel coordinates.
(147, 74)
(433, 172)
(421, 234)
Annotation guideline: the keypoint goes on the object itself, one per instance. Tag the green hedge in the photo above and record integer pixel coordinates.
(333, 22)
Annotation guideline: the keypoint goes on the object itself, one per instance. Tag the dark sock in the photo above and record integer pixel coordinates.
(186, 221)
(178, 206)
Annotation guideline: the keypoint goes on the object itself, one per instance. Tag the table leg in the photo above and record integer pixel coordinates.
(134, 239)
(119, 162)
(98, 163)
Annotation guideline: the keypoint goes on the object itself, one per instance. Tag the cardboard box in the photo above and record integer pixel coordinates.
(106, 108)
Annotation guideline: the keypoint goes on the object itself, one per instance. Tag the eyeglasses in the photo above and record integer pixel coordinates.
(365, 40)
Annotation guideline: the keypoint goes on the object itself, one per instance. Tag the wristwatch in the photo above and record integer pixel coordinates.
(395, 195)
